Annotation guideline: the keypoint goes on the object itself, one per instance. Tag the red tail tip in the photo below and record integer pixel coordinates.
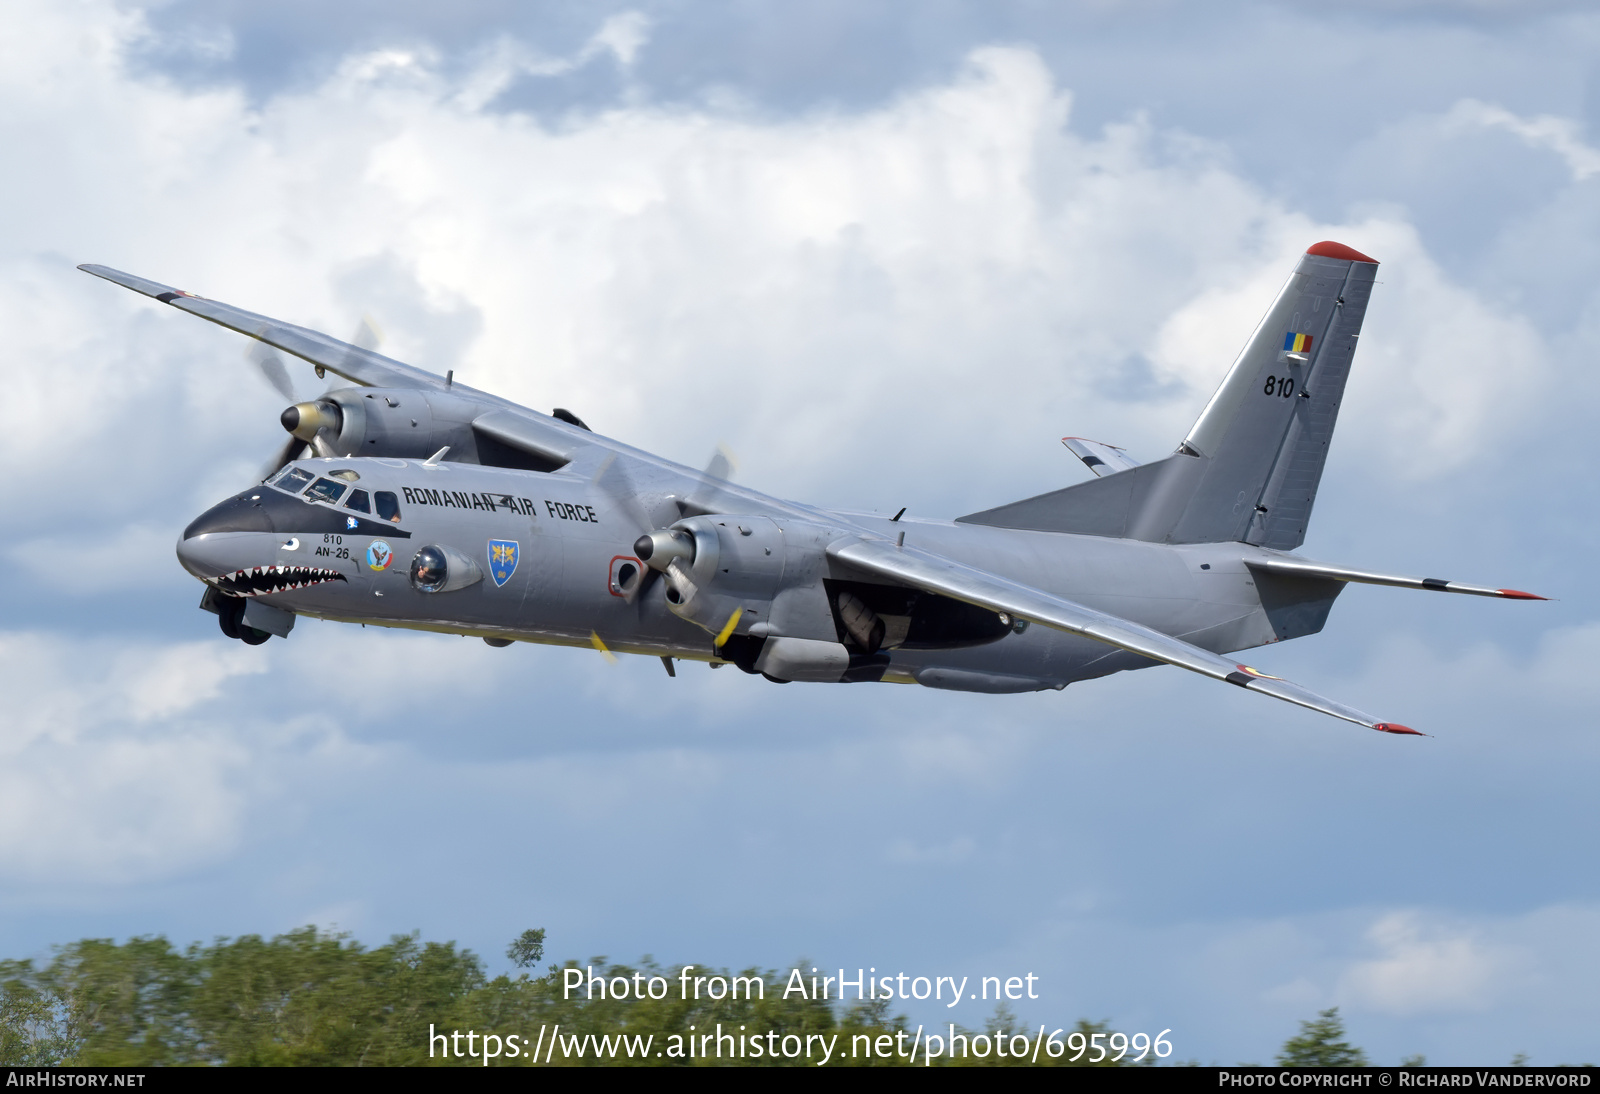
(1396, 727)
(1329, 249)
(1518, 594)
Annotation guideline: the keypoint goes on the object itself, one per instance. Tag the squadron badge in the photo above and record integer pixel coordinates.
(502, 559)
(379, 555)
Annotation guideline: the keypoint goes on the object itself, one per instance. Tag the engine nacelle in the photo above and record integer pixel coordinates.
(405, 423)
(721, 571)
(750, 580)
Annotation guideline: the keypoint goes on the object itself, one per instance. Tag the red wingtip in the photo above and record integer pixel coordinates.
(1518, 594)
(1329, 249)
(1396, 727)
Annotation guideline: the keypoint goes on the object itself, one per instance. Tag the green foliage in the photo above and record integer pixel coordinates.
(312, 998)
(1321, 1043)
(32, 1030)
(301, 998)
(528, 949)
(305, 998)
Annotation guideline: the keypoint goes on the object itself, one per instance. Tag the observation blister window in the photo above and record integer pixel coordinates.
(429, 570)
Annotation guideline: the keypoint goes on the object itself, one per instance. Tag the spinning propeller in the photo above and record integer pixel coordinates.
(665, 551)
(309, 424)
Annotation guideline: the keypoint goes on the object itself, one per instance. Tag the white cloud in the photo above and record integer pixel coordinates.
(1547, 131)
(138, 555)
(166, 682)
(1425, 966)
(89, 788)
(917, 299)
(1461, 988)
(116, 769)
(621, 37)
(622, 34)
(936, 288)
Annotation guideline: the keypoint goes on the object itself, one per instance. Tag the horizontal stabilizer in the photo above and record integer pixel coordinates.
(1102, 459)
(1299, 567)
(946, 577)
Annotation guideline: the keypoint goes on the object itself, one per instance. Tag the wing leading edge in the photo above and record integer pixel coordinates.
(545, 438)
(359, 366)
(936, 574)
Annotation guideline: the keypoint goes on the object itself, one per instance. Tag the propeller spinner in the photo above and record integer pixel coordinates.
(309, 424)
(659, 548)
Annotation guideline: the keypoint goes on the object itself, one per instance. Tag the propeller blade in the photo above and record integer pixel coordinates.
(613, 480)
(266, 359)
(368, 336)
(287, 454)
(703, 498)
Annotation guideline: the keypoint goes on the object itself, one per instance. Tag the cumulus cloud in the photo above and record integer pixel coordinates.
(620, 37)
(914, 299)
(1423, 966)
(1547, 131)
(825, 292)
(108, 773)
(86, 564)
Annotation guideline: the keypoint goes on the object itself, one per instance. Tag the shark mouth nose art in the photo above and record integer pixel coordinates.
(266, 580)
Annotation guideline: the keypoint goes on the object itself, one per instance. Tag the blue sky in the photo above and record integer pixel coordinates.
(889, 255)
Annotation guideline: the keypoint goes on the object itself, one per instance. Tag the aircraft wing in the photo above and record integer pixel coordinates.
(359, 366)
(501, 419)
(936, 574)
(1301, 567)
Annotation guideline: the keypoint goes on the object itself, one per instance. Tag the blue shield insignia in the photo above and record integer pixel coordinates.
(502, 559)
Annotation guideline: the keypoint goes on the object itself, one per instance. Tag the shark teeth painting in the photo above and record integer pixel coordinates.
(266, 580)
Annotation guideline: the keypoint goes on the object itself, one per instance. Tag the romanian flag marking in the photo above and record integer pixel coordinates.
(1296, 343)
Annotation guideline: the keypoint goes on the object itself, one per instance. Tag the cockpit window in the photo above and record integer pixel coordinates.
(292, 479)
(358, 502)
(326, 490)
(388, 505)
(344, 473)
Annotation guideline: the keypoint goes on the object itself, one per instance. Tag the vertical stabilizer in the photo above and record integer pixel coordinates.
(1250, 467)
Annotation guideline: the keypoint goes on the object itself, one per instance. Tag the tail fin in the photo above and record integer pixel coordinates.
(1250, 467)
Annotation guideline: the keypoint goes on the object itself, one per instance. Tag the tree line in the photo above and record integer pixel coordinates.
(310, 997)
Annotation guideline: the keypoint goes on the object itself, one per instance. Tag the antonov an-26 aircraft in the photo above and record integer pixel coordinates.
(407, 500)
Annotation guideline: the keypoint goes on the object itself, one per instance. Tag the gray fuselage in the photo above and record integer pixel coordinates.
(565, 554)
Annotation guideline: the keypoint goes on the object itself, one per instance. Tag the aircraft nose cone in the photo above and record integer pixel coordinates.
(212, 554)
(192, 555)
